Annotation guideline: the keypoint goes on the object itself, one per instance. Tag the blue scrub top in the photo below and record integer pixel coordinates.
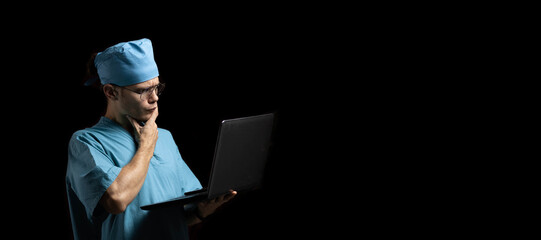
(95, 158)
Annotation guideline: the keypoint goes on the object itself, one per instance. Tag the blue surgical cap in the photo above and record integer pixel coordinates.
(127, 63)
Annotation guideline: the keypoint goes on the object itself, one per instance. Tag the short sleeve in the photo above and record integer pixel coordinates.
(90, 171)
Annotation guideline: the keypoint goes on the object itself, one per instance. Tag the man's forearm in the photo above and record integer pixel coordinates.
(128, 182)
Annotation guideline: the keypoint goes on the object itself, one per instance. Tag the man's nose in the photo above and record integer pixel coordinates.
(153, 97)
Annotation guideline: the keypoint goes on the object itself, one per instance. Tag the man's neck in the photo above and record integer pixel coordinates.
(121, 119)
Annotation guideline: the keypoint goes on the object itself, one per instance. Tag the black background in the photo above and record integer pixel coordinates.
(371, 136)
(381, 129)
(213, 71)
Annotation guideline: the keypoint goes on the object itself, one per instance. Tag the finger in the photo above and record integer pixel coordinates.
(216, 200)
(154, 115)
(229, 196)
(221, 198)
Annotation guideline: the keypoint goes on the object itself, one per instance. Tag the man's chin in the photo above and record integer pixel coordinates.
(142, 118)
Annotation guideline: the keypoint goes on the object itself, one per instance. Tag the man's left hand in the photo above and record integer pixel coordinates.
(208, 207)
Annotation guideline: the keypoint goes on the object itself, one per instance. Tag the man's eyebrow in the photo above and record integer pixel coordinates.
(145, 88)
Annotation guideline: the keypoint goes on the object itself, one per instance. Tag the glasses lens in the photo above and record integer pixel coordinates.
(158, 89)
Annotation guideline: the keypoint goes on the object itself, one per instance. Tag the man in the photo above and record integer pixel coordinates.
(125, 161)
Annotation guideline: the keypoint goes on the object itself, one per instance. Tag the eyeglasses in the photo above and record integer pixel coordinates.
(146, 93)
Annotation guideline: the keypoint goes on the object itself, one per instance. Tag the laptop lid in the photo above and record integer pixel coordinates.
(241, 153)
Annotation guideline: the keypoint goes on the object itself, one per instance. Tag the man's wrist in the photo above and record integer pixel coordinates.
(198, 215)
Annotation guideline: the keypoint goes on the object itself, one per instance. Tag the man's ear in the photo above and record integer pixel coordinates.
(110, 92)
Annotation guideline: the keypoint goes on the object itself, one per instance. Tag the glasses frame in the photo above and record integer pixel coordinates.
(147, 91)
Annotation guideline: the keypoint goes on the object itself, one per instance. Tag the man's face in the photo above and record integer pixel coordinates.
(137, 106)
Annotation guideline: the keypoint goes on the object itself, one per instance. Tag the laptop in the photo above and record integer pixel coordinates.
(240, 156)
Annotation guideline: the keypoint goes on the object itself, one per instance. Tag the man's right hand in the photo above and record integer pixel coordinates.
(146, 135)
